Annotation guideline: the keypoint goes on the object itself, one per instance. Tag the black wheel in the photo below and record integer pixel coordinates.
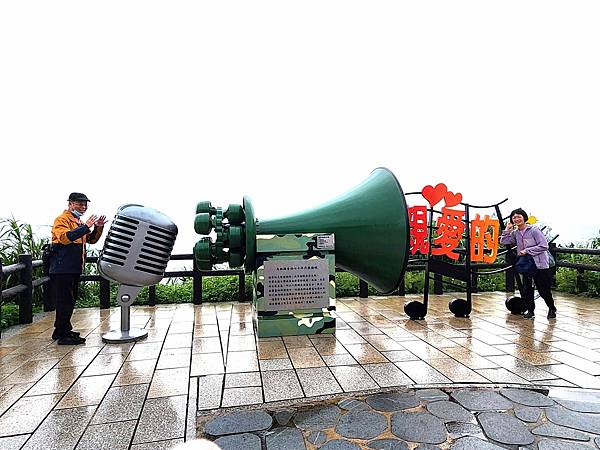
(515, 305)
(415, 310)
(459, 307)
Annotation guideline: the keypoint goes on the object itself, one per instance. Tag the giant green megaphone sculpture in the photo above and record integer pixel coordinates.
(370, 224)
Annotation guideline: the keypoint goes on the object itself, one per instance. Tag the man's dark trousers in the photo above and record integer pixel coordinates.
(65, 286)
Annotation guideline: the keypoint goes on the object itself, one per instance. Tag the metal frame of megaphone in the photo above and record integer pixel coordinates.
(459, 307)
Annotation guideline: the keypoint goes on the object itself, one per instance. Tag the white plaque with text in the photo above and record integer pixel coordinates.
(296, 284)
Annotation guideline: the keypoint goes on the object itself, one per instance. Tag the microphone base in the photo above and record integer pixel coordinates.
(120, 336)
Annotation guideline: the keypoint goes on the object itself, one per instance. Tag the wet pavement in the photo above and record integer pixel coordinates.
(199, 361)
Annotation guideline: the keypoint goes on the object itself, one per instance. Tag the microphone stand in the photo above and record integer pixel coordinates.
(125, 298)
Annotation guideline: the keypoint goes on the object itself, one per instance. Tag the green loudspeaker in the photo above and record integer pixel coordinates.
(370, 223)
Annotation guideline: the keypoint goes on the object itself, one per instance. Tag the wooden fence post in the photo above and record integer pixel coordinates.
(26, 297)
(104, 293)
(580, 281)
(363, 289)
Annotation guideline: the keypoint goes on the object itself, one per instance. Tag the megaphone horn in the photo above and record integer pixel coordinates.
(370, 223)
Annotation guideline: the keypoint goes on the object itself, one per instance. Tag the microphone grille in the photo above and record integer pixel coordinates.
(155, 250)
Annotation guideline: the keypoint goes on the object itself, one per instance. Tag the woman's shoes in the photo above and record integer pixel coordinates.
(528, 315)
(552, 314)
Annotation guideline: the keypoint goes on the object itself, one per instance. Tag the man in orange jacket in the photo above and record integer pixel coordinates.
(69, 237)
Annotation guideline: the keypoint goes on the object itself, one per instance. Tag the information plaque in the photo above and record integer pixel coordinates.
(296, 284)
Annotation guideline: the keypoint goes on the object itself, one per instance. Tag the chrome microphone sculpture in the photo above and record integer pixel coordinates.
(135, 254)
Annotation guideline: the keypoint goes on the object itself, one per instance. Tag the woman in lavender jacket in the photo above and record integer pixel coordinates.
(531, 241)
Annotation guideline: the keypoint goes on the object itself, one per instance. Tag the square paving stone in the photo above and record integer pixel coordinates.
(318, 381)
(105, 364)
(387, 375)
(109, 436)
(174, 358)
(353, 378)
(345, 359)
(86, 391)
(121, 403)
(61, 429)
(281, 385)
(210, 388)
(162, 419)
(275, 364)
(241, 396)
(26, 414)
(207, 364)
(206, 345)
(245, 379)
(421, 372)
(135, 372)
(304, 357)
(13, 442)
(246, 361)
(169, 382)
(56, 380)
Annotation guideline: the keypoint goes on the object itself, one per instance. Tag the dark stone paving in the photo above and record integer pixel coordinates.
(427, 419)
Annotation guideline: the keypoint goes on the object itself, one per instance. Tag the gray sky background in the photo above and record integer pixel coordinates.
(169, 103)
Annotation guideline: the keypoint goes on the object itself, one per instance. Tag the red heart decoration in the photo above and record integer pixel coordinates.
(452, 199)
(434, 194)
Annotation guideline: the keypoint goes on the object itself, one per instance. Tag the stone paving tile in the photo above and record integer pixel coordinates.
(206, 345)
(56, 380)
(304, 357)
(86, 391)
(339, 360)
(241, 396)
(61, 429)
(13, 442)
(318, 381)
(178, 340)
(469, 358)
(353, 378)
(329, 346)
(108, 436)
(456, 371)
(174, 358)
(501, 375)
(387, 375)
(281, 385)
(275, 364)
(105, 364)
(574, 376)
(143, 350)
(365, 354)
(245, 379)
(207, 364)
(421, 372)
(522, 368)
(30, 371)
(169, 382)
(121, 403)
(162, 419)
(26, 414)
(79, 357)
(400, 355)
(135, 372)
(242, 343)
(244, 361)
(209, 391)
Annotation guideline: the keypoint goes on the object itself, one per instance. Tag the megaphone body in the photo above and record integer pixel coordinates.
(136, 252)
(370, 224)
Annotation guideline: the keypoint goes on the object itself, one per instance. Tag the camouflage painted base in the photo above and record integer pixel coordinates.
(298, 321)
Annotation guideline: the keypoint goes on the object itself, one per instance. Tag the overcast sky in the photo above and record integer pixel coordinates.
(169, 103)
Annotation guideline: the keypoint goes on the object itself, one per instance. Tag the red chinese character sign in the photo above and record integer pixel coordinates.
(484, 235)
(450, 228)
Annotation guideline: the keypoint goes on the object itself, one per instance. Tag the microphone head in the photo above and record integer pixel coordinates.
(138, 246)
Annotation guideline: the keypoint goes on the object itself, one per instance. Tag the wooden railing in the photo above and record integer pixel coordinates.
(26, 283)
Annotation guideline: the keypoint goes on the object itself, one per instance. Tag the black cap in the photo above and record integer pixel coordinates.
(78, 197)
(521, 212)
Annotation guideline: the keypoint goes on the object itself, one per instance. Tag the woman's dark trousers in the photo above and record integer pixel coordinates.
(543, 282)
